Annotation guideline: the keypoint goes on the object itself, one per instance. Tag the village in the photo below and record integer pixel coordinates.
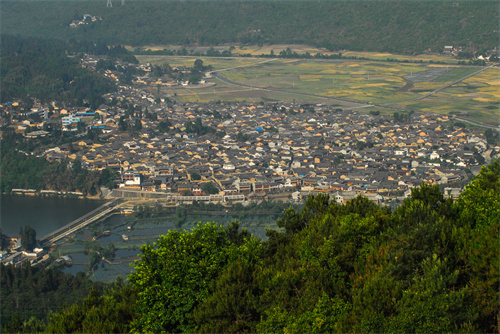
(244, 151)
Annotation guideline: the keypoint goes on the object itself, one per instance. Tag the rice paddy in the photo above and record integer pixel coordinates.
(366, 81)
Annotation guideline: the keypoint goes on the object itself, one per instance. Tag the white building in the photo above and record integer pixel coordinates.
(68, 120)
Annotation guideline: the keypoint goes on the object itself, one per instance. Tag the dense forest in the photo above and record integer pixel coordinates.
(392, 26)
(48, 70)
(34, 292)
(431, 265)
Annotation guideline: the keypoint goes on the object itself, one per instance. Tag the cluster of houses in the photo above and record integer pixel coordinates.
(18, 257)
(144, 74)
(261, 149)
(486, 55)
(38, 256)
(86, 19)
(277, 148)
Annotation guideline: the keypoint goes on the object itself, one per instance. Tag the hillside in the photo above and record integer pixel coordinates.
(398, 27)
(39, 68)
(431, 265)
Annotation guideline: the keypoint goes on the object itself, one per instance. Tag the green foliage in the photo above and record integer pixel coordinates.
(110, 312)
(232, 305)
(209, 188)
(34, 292)
(402, 27)
(174, 276)
(28, 238)
(4, 240)
(41, 69)
(164, 126)
(195, 177)
(198, 128)
(478, 241)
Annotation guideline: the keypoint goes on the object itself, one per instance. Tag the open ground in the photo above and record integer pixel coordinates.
(351, 83)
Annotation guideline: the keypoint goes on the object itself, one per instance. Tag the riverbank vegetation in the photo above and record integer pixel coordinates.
(431, 265)
(180, 213)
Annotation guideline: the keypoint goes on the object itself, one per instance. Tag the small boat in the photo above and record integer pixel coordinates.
(124, 237)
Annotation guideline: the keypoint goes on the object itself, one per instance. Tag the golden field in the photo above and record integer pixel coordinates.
(320, 81)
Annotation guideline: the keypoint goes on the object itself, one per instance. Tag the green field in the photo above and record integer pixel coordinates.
(456, 73)
(363, 81)
(477, 98)
(188, 61)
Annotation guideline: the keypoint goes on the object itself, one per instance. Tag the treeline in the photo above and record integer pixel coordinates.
(398, 27)
(431, 265)
(35, 292)
(41, 68)
(21, 170)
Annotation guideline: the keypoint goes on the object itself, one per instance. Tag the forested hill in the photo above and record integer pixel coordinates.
(39, 68)
(430, 266)
(34, 67)
(393, 26)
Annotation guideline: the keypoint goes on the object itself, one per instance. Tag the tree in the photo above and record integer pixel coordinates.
(198, 65)
(110, 312)
(194, 78)
(174, 276)
(164, 126)
(209, 188)
(4, 241)
(28, 238)
(232, 306)
(478, 242)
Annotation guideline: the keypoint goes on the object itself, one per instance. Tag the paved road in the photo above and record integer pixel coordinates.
(270, 89)
(245, 65)
(443, 87)
(79, 223)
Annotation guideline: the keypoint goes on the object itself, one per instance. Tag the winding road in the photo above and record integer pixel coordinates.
(361, 104)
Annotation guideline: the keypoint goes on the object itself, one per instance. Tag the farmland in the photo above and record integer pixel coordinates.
(355, 83)
(477, 97)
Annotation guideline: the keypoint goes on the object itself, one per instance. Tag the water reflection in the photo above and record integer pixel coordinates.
(137, 234)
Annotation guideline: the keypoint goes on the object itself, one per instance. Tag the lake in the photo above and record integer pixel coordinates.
(48, 214)
(43, 214)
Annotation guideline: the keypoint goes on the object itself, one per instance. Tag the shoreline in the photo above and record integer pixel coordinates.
(31, 193)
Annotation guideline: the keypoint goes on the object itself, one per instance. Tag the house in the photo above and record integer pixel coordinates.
(261, 187)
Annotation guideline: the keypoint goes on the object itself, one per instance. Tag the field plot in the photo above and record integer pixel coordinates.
(217, 63)
(477, 98)
(384, 56)
(359, 80)
(256, 50)
(354, 82)
(455, 73)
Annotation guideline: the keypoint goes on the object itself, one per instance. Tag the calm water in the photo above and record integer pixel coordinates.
(48, 214)
(43, 214)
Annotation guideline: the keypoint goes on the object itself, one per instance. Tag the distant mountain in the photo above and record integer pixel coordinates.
(392, 26)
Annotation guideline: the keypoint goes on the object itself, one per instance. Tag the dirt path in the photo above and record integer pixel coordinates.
(441, 88)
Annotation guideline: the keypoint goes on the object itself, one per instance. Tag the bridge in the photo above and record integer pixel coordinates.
(79, 223)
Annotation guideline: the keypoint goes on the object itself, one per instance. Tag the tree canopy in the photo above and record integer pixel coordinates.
(400, 27)
(40, 68)
(431, 265)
